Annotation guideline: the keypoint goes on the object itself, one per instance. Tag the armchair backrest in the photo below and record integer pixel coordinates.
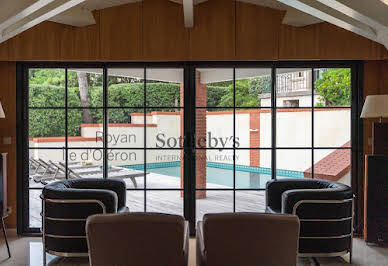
(137, 239)
(250, 239)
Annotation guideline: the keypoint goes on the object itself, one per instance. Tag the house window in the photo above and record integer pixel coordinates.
(291, 103)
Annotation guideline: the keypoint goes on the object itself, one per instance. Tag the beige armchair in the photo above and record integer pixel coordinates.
(247, 239)
(141, 239)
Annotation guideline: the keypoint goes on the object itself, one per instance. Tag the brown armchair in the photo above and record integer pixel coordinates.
(141, 239)
(249, 239)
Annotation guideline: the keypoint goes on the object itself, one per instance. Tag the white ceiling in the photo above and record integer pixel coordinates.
(368, 18)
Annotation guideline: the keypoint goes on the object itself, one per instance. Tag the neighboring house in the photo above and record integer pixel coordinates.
(293, 89)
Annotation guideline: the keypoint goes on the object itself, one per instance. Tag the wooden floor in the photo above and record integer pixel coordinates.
(170, 201)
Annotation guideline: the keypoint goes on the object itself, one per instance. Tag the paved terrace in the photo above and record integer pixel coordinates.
(170, 201)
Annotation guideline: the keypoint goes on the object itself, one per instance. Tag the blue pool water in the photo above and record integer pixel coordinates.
(222, 174)
(222, 177)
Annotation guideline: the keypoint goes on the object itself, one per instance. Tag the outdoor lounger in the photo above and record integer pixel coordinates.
(47, 170)
(116, 172)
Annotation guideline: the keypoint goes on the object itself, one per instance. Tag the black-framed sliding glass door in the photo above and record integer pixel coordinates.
(201, 137)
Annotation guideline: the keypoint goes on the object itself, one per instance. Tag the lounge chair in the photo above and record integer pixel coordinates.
(116, 172)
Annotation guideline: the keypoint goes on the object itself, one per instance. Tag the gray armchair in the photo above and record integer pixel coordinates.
(248, 239)
(139, 239)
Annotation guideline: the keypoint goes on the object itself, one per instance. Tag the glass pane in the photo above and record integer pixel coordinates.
(213, 202)
(43, 166)
(164, 128)
(293, 127)
(214, 169)
(83, 134)
(85, 89)
(334, 165)
(126, 128)
(135, 201)
(164, 168)
(164, 87)
(253, 168)
(46, 87)
(46, 124)
(293, 87)
(127, 165)
(35, 208)
(214, 129)
(293, 163)
(214, 87)
(332, 87)
(165, 202)
(250, 201)
(126, 87)
(253, 87)
(253, 128)
(85, 163)
(332, 127)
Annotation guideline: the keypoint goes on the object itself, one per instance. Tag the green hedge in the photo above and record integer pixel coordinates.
(50, 122)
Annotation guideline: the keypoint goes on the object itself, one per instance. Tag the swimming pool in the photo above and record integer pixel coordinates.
(222, 174)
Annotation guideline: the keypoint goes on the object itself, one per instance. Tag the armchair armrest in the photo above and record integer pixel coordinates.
(334, 195)
(106, 197)
(275, 189)
(116, 185)
(201, 259)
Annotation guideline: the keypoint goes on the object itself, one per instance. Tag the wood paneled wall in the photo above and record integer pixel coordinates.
(8, 129)
(154, 30)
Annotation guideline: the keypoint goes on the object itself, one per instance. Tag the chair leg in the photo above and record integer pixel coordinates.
(5, 236)
(134, 182)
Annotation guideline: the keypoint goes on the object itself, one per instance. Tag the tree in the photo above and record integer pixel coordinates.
(84, 96)
(243, 97)
(334, 87)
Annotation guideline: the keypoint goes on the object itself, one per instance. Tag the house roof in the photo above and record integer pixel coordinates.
(333, 166)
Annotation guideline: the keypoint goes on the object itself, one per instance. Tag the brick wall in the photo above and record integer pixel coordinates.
(200, 166)
(254, 138)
